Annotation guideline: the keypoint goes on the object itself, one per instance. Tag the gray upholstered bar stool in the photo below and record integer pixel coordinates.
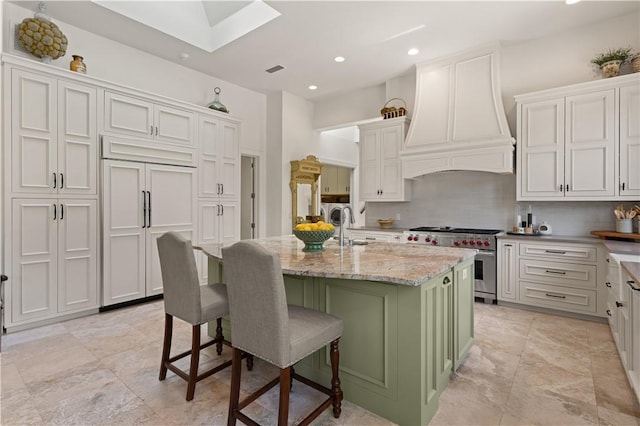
(264, 326)
(186, 299)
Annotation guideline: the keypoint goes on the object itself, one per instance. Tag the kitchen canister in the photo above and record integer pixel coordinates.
(624, 226)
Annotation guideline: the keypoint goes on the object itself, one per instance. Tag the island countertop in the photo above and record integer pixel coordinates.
(405, 264)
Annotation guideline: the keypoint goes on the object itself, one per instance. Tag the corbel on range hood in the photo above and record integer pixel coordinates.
(459, 122)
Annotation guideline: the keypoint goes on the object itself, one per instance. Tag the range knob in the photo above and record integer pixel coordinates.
(479, 242)
(486, 243)
(456, 243)
(434, 242)
(415, 238)
(427, 239)
(410, 238)
(472, 243)
(464, 242)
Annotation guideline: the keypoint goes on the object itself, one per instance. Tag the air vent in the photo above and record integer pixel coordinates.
(275, 69)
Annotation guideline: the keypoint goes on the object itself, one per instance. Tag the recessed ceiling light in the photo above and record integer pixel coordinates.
(313, 87)
(571, 1)
(184, 56)
(413, 51)
(339, 59)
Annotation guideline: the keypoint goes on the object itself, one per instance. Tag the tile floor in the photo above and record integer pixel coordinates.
(526, 368)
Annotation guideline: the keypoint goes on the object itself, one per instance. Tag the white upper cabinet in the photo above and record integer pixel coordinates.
(630, 141)
(381, 170)
(136, 117)
(572, 145)
(219, 159)
(53, 136)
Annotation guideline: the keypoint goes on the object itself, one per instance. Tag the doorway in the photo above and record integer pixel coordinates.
(248, 197)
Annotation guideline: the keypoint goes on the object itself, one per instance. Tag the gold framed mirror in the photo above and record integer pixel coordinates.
(304, 172)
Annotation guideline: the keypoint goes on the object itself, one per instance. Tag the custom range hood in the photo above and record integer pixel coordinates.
(459, 122)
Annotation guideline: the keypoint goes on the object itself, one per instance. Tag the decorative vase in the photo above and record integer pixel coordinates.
(216, 104)
(77, 65)
(635, 63)
(624, 226)
(610, 69)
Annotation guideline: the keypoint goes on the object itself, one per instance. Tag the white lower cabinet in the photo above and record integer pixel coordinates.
(558, 276)
(140, 203)
(54, 258)
(218, 222)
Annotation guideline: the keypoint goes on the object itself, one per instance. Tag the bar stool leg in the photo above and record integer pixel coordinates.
(166, 346)
(195, 358)
(219, 336)
(234, 397)
(285, 389)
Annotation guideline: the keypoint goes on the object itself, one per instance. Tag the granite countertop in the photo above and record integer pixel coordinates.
(405, 264)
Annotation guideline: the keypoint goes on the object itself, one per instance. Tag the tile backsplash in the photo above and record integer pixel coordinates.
(488, 200)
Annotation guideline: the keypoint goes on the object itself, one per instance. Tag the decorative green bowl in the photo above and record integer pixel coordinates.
(313, 240)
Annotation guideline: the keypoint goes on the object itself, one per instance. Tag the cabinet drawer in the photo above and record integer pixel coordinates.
(555, 251)
(558, 297)
(570, 274)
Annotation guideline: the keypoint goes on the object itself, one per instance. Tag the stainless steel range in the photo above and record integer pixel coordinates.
(483, 240)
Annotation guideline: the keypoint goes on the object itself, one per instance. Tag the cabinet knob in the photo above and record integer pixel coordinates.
(609, 312)
(608, 284)
(619, 304)
(3, 278)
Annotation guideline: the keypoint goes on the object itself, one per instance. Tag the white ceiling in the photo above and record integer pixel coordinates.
(373, 36)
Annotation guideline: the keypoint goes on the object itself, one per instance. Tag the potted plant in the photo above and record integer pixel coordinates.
(610, 61)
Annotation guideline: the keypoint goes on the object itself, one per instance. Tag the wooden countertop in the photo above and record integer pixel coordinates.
(405, 264)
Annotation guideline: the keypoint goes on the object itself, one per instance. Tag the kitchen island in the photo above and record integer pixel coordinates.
(407, 311)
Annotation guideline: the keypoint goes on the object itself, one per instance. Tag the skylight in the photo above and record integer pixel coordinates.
(208, 25)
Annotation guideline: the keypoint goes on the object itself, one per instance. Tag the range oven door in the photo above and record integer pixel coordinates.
(485, 275)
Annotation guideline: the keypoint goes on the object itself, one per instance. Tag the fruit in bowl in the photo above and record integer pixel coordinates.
(313, 235)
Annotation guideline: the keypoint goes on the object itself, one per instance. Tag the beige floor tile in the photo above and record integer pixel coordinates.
(526, 368)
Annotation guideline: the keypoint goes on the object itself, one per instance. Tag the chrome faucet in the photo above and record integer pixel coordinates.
(351, 221)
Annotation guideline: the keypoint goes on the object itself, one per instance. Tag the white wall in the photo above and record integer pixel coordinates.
(124, 65)
(488, 200)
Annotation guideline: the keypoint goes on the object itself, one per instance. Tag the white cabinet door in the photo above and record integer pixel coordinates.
(369, 165)
(170, 200)
(77, 139)
(34, 262)
(128, 116)
(507, 271)
(229, 225)
(630, 142)
(329, 179)
(77, 255)
(219, 171)
(589, 144)
(33, 133)
(541, 144)
(174, 125)
(229, 158)
(391, 183)
(123, 233)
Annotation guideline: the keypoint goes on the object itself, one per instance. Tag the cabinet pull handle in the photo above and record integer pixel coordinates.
(561, 188)
(555, 272)
(54, 212)
(508, 245)
(61, 181)
(446, 280)
(61, 211)
(567, 188)
(55, 180)
(144, 209)
(149, 208)
(555, 295)
(619, 304)
(608, 284)
(631, 284)
(218, 207)
(623, 186)
(156, 130)
(556, 251)
(222, 209)
(222, 193)
(151, 130)
(370, 238)
(609, 312)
